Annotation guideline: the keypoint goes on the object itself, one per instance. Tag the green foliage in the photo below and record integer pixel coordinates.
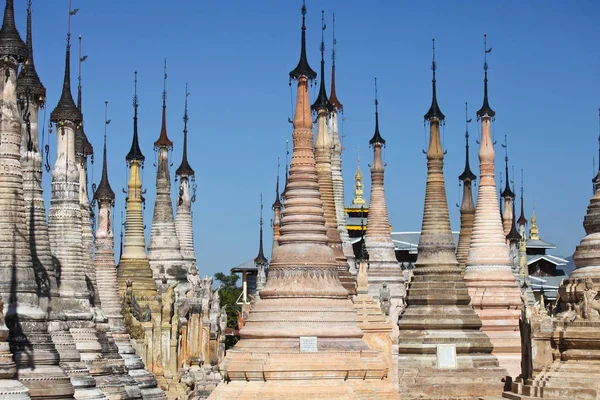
(229, 293)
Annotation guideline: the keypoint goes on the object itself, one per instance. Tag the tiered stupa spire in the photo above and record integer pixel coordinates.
(438, 315)
(522, 221)
(304, 289)
(35, 356)
(323, 145)
(358, 185)
(183, 221)
(106, 274)
(336, 163)
(261, 261)
(492, 286)
(84, 149)
(164, 251)
(508, 195)
(277, 206)
(467, 207)
(383, 265)
(134, 265)
(65, 232)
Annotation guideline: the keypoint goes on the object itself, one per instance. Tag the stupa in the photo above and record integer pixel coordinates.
(442, 353)
(383, 265)
(164, 252)
(467, 207)
(318, 352)
(323, 146)
(492, 286)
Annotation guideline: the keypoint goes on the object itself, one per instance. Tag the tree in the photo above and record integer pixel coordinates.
(229, 293)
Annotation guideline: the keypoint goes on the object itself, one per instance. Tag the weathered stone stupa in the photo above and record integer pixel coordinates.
(260, 261)
(467, 208)
(164, 252)
(442, 351)
(565, 358)
(83, 150)
(35, 355)
(318, 351)
(492, 286)
(277, 206)
(105, 268)
(383, 266)
(183, 220)
(323, 146)
(336, 163)
(134, 265)
(509, 197)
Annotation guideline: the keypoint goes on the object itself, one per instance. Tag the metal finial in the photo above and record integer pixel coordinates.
(71, 13)
(467, 122)
(186, 117)
(505, 145)
(261, 210)
(334, 42)
(164, 95)
(135, 96)
(323, 26)
(433, 64)
(376, 100)
(106, 120)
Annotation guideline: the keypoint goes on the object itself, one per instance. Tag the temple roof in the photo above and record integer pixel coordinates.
(28, 76)
(66, 110)
(104, 191)
(11, 43)
(135, 153)
(303, 69)
(434, 110)
(185, 169)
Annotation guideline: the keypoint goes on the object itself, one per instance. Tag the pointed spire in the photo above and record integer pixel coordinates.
(29, 79)
(11, 43)
(485, 108)
(135, 153)
(507, 192)
(185, 169)
(534, 233)
(522, 220)
(66, 110)
(104, 191)
(333, 98)
(467, 173)
(434, 110)
(595, 182)
(376, 139)
(277, 202)
(163, 139)
(322, 102)
(260, 258)
(358, 185)
(303, 69)
(83, 147)
(513, 234)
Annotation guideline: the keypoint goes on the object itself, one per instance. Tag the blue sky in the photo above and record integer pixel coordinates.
(544, 86)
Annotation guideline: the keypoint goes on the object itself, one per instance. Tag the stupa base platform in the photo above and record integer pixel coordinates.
(304, 390)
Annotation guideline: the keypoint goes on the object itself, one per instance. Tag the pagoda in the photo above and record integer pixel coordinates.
(34, 359)
(467, 207)
(383, 265)
(319, 350)
(336, 163)
(442, 352)
(164, 251)
(323, 145)
(187, 182)
(494, 292)
(277, 206)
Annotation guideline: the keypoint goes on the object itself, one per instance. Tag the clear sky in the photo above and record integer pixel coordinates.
(544, 85)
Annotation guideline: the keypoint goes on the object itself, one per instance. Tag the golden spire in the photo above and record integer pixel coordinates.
(534, 234)
(358, 185)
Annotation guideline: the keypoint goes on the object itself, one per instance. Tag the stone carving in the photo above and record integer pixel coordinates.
(384, 299)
